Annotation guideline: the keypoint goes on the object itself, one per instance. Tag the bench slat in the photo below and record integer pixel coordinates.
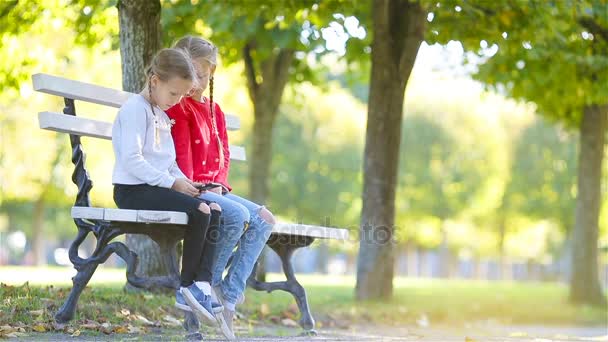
(98, 129)
(125, 215)
(174, 217)
(309, 230)
(82, 91)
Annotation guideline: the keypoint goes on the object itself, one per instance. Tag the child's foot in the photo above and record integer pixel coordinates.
(180, 302)
(201, 304)
(217, 292)
(226, 317)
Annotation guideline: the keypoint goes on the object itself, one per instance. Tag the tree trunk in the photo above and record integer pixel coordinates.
(502, 232)
(266, 82)
(584, 284)
(445, 255)
(140, 39)
(38, 250)
(398, 28)
(412, 259)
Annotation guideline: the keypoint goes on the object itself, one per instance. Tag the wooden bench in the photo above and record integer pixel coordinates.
(164, 227)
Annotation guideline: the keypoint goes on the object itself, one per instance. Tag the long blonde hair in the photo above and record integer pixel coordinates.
(199, 47)
(166, 64)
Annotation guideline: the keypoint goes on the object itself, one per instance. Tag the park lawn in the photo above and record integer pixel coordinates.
(415, 302)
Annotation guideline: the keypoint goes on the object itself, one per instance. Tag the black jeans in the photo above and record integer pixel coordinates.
(197, 260)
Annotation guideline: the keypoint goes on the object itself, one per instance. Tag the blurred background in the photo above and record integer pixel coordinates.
(487, 177)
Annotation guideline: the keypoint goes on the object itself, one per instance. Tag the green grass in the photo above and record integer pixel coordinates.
(449, 302)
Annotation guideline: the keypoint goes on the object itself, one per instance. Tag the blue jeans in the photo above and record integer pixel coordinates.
(236, 213)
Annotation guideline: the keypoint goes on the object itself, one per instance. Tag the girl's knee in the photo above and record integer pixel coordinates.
(215, 206)
(204, 208)
(244, 213)
(267, 216)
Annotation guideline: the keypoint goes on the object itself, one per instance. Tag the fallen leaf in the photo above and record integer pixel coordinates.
(289, 314)
(58, 326)
(106, 328)
(90, 326)
(7, 329)
(39, 328)
(76, 333)
(125, 312)
(135, 330)
(288, 322)
(15, 334)
(172, 320)
(293, 308)
(144, 320)
(264, 309)
(423, 321)
(275, 319)
(121, 330)
(36, 312)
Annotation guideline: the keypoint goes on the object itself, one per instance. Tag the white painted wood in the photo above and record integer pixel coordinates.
(237, 153)
(122, 215)
(79, 90)
(87, 213)
(169, 217)
(82, 91)
(75, 125)
(125, 215)
(174, 217)
(98, 129)
(312, 231)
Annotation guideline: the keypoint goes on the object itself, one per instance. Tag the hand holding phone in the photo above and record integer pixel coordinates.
(208, 186)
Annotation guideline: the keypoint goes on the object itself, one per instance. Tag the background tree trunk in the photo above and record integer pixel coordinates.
(398, 28)
(265, 85)
(502, 232)
(140, 39)
(38, 238)
(584, 283)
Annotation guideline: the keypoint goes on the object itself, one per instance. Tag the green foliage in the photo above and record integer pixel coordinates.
(93, 24)
(289, 25)
(552, 53)
(543, 177)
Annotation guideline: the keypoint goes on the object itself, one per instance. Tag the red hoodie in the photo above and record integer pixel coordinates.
(196, 145)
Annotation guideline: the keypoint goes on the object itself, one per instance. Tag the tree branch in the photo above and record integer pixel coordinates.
(250, 70)
(593, 27)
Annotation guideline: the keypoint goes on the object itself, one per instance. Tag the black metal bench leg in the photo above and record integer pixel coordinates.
(86, 267)
(285, 249)
(79, 281)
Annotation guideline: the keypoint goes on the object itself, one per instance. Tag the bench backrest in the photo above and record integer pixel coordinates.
(92, 93)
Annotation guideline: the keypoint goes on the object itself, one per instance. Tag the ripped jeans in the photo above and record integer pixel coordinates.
(237, 214)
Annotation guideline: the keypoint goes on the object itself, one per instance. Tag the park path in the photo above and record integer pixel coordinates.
(473, 333)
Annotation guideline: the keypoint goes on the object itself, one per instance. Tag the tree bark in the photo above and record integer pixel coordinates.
(502, 233)
(38, 250)
(265, 85)
(140, 39)
(445, 255)
(584, 283)
(398, 28)
(266, 82)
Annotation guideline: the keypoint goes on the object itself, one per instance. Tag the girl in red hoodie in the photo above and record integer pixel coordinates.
(201, 145)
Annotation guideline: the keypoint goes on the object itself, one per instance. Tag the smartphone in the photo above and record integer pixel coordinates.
(208, 186)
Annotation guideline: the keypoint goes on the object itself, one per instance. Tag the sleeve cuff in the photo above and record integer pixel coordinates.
(168, 182)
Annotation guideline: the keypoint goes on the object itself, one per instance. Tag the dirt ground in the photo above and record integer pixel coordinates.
(472, 333)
